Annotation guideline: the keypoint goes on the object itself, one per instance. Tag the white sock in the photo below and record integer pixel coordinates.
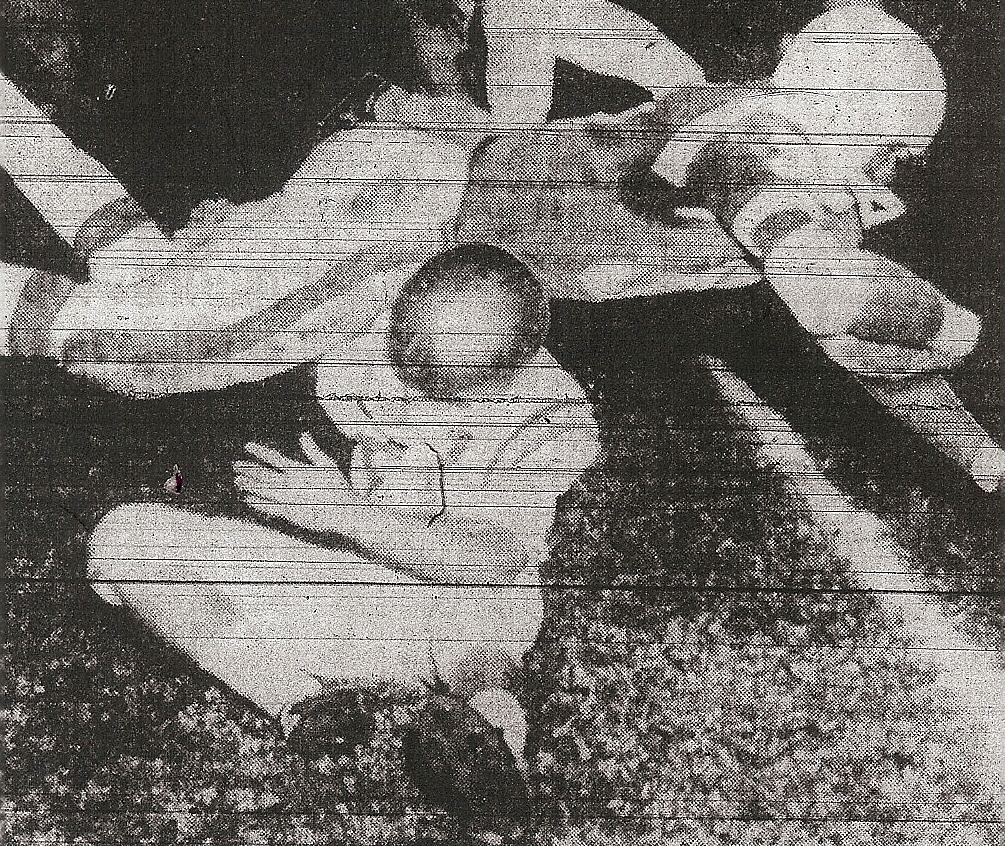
(500, 708)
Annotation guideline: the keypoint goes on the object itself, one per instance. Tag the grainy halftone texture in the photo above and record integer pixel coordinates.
(682, 703)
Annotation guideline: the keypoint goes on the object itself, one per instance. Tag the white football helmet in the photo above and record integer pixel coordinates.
(862, 84)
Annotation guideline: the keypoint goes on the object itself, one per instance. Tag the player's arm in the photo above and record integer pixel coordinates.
(317, 496)
(496, 523)
(450, 550)
(896, 332)
(537, 467)
(525, 39)
(871, 314)
(767, 187)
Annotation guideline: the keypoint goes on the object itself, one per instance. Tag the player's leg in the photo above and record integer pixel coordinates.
(524, 39)
(74, 192)
(484, 639)
(80, 199)
(271, 615)
(219, 590)
(606, 38)
(93, 212)
(131, 263)
(269, 284)
(65, 184)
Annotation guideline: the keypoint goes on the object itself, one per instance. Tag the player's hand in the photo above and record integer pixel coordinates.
(308, 494)
(884, 361)
(405, 476)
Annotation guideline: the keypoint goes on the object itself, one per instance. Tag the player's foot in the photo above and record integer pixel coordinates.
(332, 723)
(988, 469)
(462, 763)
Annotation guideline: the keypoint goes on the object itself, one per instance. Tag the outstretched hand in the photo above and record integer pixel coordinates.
(884, 361)
(306, 493)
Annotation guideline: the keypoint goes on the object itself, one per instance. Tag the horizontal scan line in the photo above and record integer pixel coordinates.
(585, 587)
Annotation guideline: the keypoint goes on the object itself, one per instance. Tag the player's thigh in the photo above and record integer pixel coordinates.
(270, 614)
(263, 611)
(607, 38)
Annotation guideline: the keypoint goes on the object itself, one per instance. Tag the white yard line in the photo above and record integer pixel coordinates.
(971, 674)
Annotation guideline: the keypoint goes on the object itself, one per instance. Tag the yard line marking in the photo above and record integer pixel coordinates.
(972, 674)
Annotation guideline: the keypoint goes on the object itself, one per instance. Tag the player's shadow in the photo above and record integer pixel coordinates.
(639, 361)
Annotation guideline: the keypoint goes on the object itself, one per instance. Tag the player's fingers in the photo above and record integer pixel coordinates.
(269, 456)
(317, 456)
(250, 476)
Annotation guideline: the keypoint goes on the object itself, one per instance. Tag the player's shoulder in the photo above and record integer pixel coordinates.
(544, 379)
(384, 149)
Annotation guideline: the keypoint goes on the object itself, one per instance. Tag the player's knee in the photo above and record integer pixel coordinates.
(107, 563)
(117, 526)
(902, 309)
(121, 538)
(489, 636)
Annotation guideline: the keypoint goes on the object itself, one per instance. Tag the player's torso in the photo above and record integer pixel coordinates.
(423, 454)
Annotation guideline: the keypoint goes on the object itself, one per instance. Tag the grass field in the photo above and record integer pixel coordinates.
(685, 685)
(707, 672)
